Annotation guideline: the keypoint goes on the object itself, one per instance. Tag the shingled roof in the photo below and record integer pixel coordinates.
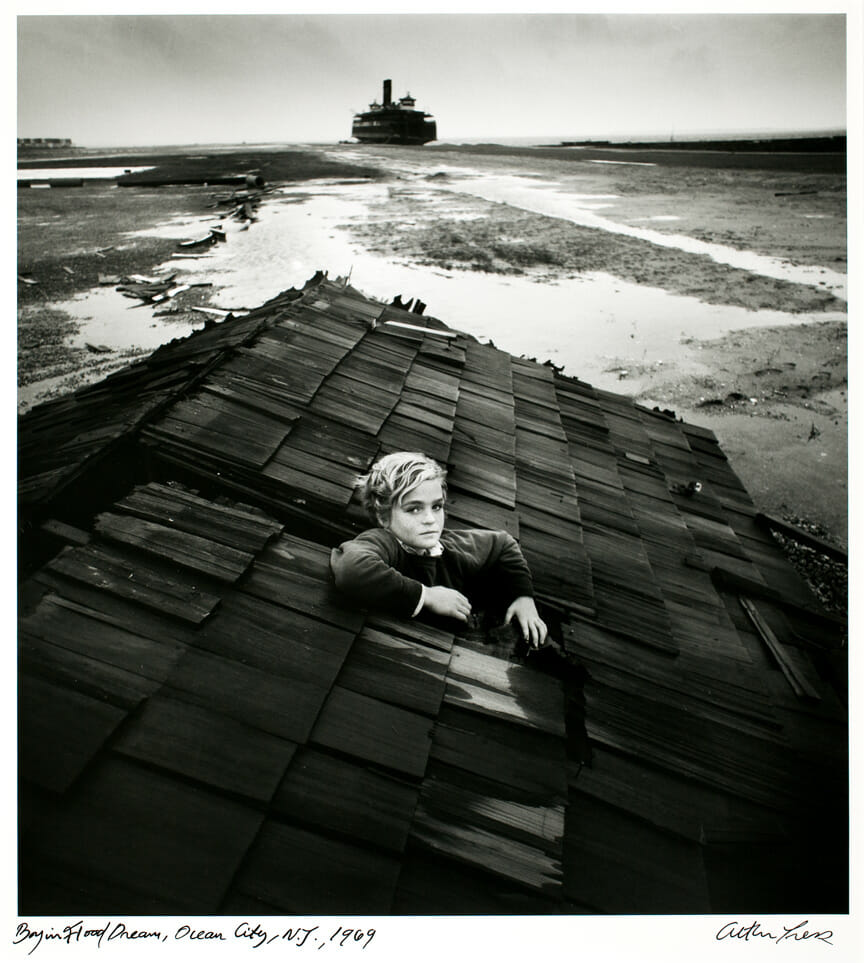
(207, 727)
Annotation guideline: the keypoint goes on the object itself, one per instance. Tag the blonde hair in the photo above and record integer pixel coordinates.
(394, 475)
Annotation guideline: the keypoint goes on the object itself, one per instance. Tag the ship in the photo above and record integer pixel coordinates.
(394, 122)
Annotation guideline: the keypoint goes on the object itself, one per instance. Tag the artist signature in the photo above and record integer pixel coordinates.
(754, 931)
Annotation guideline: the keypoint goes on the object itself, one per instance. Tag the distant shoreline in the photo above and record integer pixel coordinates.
(834, 144)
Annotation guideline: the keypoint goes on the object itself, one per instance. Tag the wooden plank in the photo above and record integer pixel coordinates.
(113, 572)
(424, 415)
(300, 385)
(207, 747)
(250, 394)
(349, 408)
(618, 864)
(795, 665)
(667, 801)
(397, 671)
(218, 415)
(368, 729)
(83, 674)
(401, 434)
(265, 635)
(321, 600)
(526, 760)
(283, 707)
(414, 630)
(59, 731)
(350, 800)
(219, 561)
(330, 440)
(663, 734)
(534, 822)
(485, 438)
(513, 692)
(488, 852)
(114, 829)
(302, 873)
(465, 511)
(87, 632)
(233, 526)
(432, 382)
(289, 468)
(191, 439)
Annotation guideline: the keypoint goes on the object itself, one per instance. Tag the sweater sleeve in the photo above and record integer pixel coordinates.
(365, 569)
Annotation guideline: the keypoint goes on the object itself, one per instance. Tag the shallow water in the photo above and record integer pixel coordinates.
(595, 326)
(539, 195)
(88, 173)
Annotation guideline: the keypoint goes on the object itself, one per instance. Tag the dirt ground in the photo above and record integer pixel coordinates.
(775, 397)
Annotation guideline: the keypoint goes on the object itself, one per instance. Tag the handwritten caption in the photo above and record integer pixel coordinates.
(253, 935)
(776, 934)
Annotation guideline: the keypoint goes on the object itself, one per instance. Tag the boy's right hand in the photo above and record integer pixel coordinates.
(448, 602)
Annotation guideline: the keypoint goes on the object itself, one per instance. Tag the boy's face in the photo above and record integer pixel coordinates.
(418, 519)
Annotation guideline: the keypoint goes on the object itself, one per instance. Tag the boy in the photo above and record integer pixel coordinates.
(409, 564)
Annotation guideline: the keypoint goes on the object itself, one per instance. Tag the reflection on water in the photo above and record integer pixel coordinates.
(542, 196)
(554, 203)
(587, 325)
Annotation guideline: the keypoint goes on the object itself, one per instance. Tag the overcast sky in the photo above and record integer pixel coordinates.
(137, 80)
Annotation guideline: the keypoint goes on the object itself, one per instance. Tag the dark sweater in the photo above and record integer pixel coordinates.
(377, 572)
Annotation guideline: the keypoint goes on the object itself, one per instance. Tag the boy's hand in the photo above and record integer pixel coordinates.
(525, 612)
(447, 601)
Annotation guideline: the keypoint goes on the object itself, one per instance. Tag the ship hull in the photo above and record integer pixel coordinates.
(394, 127)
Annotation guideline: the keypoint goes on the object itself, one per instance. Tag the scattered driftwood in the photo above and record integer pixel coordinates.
(148, 290)
(97, 348)
(242, 205)
(26, 280)
(215, 235)
(220, 313)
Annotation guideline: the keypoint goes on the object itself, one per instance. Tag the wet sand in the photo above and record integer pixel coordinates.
(680, 287)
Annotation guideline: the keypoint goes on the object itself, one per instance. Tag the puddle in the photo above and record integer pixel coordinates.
(108, 318)
(624, 163)
(87, 173)
(571, 207)
(547, 198)
(587, 325)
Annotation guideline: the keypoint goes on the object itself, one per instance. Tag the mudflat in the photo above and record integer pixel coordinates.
(773, 391)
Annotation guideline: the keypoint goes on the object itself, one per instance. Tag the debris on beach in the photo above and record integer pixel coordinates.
(153, 290)
(242, 205)
(220, 313)
(214, 235)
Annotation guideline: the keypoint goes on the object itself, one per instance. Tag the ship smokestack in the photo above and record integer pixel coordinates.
(386, 93)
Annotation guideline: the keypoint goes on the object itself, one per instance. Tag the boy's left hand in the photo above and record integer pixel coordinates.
(525, 612)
